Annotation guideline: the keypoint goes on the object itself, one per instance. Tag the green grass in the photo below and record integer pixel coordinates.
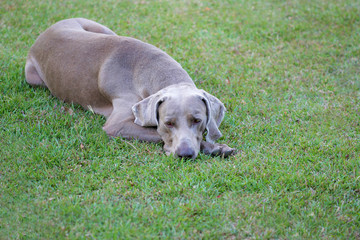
(289, 75)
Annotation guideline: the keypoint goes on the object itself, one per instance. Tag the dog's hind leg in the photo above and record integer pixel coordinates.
(32, 75)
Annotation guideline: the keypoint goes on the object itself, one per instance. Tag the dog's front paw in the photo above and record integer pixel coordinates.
(217, 149)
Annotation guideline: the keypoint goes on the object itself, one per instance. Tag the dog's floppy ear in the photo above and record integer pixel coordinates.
(145, 111)
(215, 114)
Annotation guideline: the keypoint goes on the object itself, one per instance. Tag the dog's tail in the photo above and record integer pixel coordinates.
(91, 26)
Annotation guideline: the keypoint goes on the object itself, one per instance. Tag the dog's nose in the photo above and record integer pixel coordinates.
(184, 151)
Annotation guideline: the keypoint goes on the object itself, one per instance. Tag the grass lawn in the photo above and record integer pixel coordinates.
(289, 75)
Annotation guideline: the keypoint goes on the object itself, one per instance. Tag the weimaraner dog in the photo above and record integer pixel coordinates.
(143, 93)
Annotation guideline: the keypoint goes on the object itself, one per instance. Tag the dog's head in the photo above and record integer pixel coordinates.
(181, 114)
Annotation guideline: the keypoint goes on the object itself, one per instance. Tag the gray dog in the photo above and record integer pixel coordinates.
(142, 91)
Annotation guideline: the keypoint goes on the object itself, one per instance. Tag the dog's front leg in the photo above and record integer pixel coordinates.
(129, 130)
(121, 123)
(216, 149)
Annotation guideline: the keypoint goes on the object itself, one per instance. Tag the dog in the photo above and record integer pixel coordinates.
(143, 92)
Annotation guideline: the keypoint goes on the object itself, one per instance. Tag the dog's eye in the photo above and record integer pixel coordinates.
(196, 120)
(169, 124)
